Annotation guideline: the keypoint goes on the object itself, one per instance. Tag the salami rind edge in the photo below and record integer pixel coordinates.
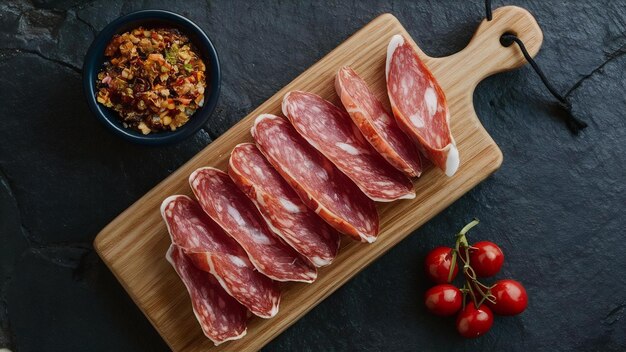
(281, 207)
(220, 316)
(376, 124)
(419, 104)
(213, 251)
(330, 130)
(320, 185)
(230, 208)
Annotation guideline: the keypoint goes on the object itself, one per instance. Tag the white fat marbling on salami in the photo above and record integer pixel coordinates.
(420, 111)
(317, 182)
(347, 148)
(246, 168)
(383, 183)
(332, 133)
(430, 97)
(373, 123)
(289, 205)
(235, 215)
(213, 251)
(259, 172)
(321, 173)
(195, 240)
(238, 261)
(417, 120)
(242, 221)
(281, 207)
(406, 84)
(260, 237)
(220, 316)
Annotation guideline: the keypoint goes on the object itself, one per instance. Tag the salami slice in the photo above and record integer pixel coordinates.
(213, 251)
(320, 185)
(419, 104)
(236, 214)
(281, 207)
(376, 124)
(330, 130)
(221, 317)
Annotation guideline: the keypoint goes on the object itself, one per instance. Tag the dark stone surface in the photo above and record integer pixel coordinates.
(556, 206)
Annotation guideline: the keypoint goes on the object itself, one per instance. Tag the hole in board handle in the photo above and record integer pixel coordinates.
(505, 42)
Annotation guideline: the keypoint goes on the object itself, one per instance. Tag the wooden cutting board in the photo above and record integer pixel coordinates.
(134, 244)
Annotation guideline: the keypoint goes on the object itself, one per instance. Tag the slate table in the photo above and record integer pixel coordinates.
(556, 206)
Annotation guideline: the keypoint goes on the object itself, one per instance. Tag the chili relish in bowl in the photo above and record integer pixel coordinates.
(153, 78)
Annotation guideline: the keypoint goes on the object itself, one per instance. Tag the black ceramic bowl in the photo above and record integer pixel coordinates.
(94, 61)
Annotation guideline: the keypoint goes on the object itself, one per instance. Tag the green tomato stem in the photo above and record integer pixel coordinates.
(476, 289)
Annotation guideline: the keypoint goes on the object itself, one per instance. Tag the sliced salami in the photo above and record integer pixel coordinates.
(330, 130)
(221, 317)
(281, 207)
(237, 215)
(320, 185)
(213, 251)
(376, 124)
(419, 104)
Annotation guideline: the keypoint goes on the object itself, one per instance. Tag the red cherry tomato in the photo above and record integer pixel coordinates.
(511, 298)
(473, 322)
(437, 265)
(486, 259)
(443, 300)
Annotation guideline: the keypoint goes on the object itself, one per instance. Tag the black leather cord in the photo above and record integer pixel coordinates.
(574, 124)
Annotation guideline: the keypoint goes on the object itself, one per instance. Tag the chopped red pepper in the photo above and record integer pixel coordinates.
(153, 78)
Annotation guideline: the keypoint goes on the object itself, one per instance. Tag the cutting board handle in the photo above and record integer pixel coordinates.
(486, 43)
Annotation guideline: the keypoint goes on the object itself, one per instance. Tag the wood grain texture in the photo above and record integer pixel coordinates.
(134, 244)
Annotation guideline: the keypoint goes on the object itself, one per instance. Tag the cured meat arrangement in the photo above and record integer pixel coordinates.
(236, 214)
(419, 104)
(280, 209)
(213, 251)
(221, 317)
(319, 183)
(330, 130)
(376, 124)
